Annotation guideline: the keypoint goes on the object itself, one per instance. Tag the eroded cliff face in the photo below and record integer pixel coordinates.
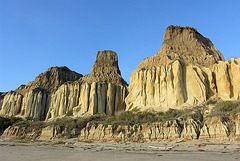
(33, 100)
(35, 104)
(175, 84)
(213, 129)
(101, 91)
(88, 98)
(187, 70)
(11, 104)
(185, 44)
(60, 90)
(157, 132)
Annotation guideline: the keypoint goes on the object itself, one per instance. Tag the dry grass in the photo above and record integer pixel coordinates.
(134, 117)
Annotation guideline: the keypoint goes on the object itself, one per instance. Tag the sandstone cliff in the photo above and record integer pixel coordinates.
(214, 121)
(185, 44)
(101, 91)
(213, 130)
(60, 90)
(187, 70)
(33, 100)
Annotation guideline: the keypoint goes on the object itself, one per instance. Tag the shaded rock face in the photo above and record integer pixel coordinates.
(105, 69)
(214, 128)
(1, 99)
(14, 132)
(185, 43)
(50, 80)
(35, 104)
(101, 91)
(33, 100)
(187, 70)
(55, 131)
(18, 132)
(11, 104)
(169, 130)
(238, 127)
(106, 63)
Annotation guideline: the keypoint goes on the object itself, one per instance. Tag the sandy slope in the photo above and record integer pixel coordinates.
(74, 150)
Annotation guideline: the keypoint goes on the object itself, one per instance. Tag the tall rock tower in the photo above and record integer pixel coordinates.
(187, 70)
(101, 91)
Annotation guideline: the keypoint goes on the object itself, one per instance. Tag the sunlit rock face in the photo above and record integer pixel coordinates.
(101, 91)
(212, 129)
(187, 70)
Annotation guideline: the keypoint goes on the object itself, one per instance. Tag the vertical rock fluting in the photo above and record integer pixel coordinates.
(214, 128)
(101, 91)
(11, 104)
(187, 70)
(35, 104)
(33, 100)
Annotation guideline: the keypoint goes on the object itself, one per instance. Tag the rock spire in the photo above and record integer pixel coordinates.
(185, 44)
(101, 91)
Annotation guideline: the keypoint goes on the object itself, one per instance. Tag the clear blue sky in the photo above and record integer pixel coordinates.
(38, 34)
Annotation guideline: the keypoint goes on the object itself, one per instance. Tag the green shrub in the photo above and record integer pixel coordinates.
(69, 113)
(182, 141)
(5, 122)
(60, 142)
(225, 108)
(14, 120)
(29, 118)
(125, 116)
(211, 101)
(110, 120)
(171, 113)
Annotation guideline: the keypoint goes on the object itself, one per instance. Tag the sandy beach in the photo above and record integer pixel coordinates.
(61, 150)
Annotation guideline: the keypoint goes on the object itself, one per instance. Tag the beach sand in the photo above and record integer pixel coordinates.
(63, 150)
